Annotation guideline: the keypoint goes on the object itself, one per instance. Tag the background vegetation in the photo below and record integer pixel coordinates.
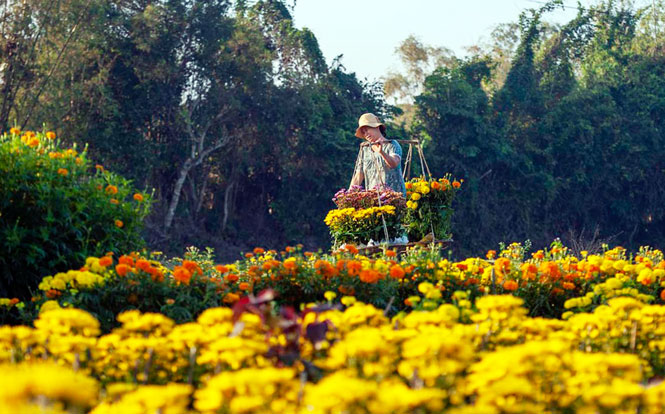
(56, 209)
(245, 132)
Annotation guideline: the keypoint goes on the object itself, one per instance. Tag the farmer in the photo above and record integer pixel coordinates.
(379, 160)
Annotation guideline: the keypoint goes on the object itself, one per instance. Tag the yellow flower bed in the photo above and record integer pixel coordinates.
(483, 357)
(458, 345)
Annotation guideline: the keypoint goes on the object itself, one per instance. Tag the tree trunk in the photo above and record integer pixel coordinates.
(176, 192)
(227, 201)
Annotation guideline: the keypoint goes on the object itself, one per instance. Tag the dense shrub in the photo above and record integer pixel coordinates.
(56, 209)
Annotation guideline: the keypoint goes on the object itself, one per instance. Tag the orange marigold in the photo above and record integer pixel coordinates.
(502, 266)
(471, 281)
(259, 250)
(53, 293)
(119, 224)
(457, 184)
(267, 266)
(128, 260)
(353, 267)
(396, 272)
(156, 274)
(510, 285)
(529, 271)
(391, 253)
(662, 295)
(221, 268)
(63, 171)
(370, 276)
(111, 189)
(290, 264)
(138, 197)
(568, 285)
(231, 277)
(105, 261)
(50, 135)
(243, 286)
(122, 269)
(550, 269)
(192, 267)
(351, 249)
(231, 298)
(325, 268)
(143, 264)
(182, 275)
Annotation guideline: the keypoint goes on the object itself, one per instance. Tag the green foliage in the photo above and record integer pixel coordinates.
(569, 142)
(56, 209)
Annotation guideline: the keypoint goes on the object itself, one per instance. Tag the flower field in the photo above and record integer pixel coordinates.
(305, 332)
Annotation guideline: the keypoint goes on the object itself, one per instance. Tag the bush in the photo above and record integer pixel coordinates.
(56, 209)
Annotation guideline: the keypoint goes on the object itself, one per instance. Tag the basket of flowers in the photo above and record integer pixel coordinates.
(429, 208)
(365, 217)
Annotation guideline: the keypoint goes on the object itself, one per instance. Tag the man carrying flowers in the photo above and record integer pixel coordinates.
(379, 159)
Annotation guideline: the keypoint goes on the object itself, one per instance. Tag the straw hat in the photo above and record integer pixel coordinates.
(369, 120)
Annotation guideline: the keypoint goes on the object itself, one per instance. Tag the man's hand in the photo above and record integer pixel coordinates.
(377, 146)
(391, 161)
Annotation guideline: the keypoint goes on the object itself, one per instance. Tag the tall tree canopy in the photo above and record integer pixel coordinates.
(571, 141)
(225, 108)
